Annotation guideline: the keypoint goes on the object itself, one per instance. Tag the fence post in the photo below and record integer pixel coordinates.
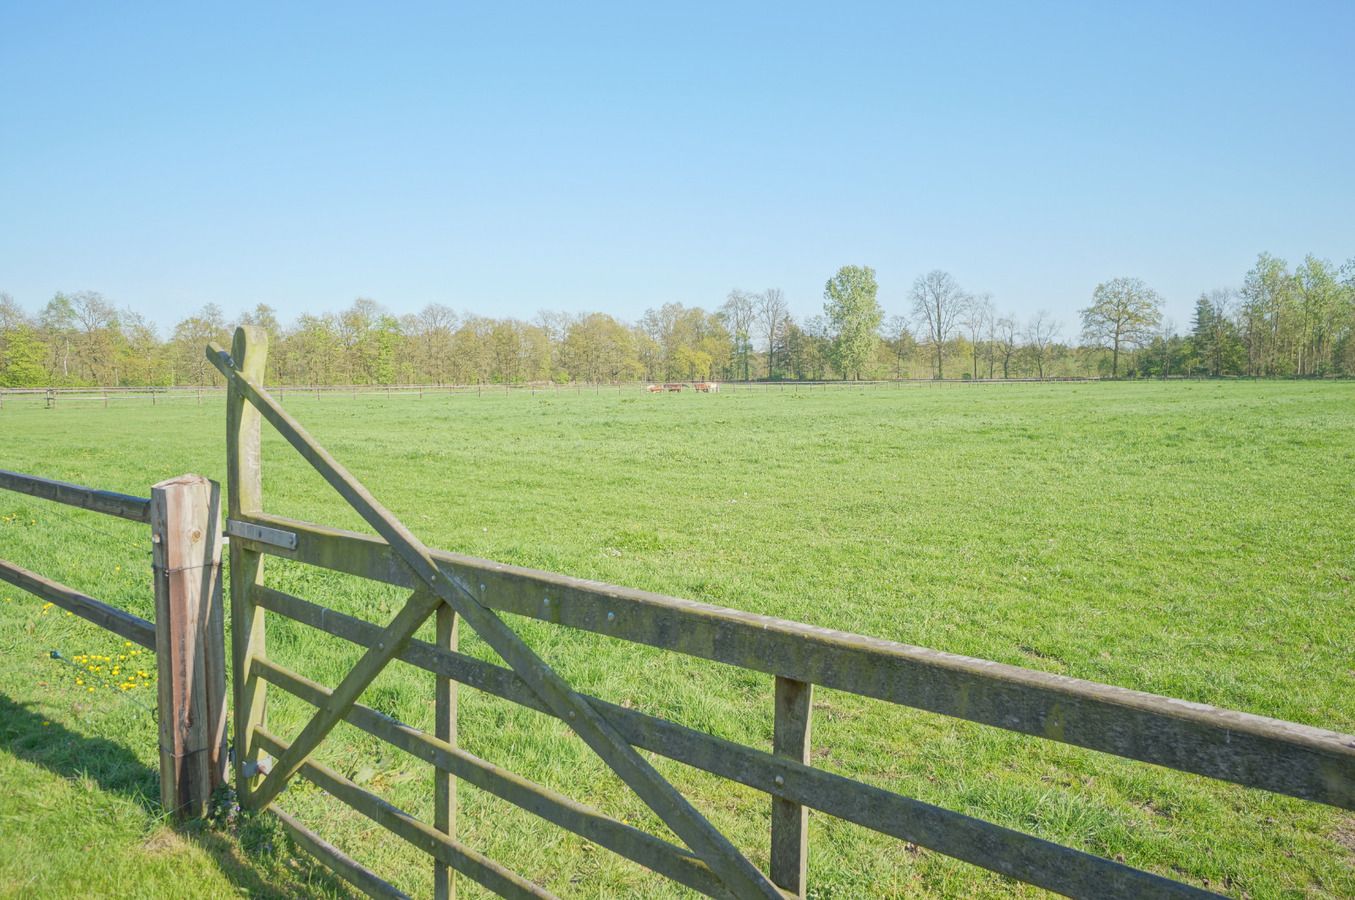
(244, 495)
(444, 785)
(790, 821)
(190, 641)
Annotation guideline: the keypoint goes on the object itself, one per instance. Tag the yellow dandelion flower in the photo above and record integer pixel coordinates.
(127, 643)
(91, 690)
(70, 614)
(117, 568)
(79, 681)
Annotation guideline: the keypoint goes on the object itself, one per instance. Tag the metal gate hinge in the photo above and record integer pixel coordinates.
(263, 766)
(261, 534)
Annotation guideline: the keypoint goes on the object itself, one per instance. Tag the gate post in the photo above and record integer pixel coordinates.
(444, 785)
(245, 495)
(189, 641)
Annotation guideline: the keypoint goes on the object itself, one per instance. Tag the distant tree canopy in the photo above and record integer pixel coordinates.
(1280, 322)
(1125, 312)
(854, 317)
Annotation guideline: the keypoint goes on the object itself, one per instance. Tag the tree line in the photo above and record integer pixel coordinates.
(1279, 322)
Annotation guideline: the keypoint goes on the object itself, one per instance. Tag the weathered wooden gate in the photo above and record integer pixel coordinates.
(1278, 756)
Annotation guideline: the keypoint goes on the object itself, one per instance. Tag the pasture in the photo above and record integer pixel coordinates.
(1188, 539)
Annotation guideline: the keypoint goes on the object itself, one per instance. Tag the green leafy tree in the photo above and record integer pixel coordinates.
(1267, 293)
(21, 356)
(1320, 301)
(854, 317)
(1214, 341)
(57, 324)
(1125, 313)
(190, 338)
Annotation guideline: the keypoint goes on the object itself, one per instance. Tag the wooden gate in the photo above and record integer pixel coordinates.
(1273, 755)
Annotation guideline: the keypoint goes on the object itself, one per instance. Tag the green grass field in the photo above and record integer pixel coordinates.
(1189, 539)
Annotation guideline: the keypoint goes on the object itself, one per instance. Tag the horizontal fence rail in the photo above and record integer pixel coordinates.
(1256, 751)
(123, 624)
(123, 506)
(137, 509)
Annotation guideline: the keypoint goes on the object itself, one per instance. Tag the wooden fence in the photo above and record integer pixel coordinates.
(187, 636)
(1269, 754)
(54, 398)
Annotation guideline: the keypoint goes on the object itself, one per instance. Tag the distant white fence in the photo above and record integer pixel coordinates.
(52, 398)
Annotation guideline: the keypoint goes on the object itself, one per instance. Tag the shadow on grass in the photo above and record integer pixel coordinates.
(116, 770)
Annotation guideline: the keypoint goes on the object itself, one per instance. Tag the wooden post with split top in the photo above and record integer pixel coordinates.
(190, 642)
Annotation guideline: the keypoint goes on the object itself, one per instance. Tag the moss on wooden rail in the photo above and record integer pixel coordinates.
(474, 865)
(1256, 751)
(1045, 864)
(625, 840)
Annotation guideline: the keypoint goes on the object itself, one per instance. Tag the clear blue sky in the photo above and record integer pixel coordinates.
(504, 159)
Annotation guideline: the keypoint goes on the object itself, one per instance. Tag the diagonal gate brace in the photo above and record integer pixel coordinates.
(740, 876)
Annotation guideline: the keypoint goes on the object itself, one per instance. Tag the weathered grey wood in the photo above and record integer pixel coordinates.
(790, 821)
(1020, 856)
(190, 642)
(123, 624)
(124, 506)
(444, 727)
(473, 865)
(667, 859)
(734, 869)
(336, 860)
(1256, 751)
(244, 453)
(388, 646)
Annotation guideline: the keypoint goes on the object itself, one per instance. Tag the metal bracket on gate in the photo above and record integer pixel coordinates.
(263, 766)
(261, 534)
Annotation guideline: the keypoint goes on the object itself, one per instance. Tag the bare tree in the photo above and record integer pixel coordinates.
(11, 314)
(773, 315)
(937, 301)
(1041, 331)
(433, 329)
(1008, 341)
(978, 312)
(900, 339)
(97, 320)
(738, 314)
